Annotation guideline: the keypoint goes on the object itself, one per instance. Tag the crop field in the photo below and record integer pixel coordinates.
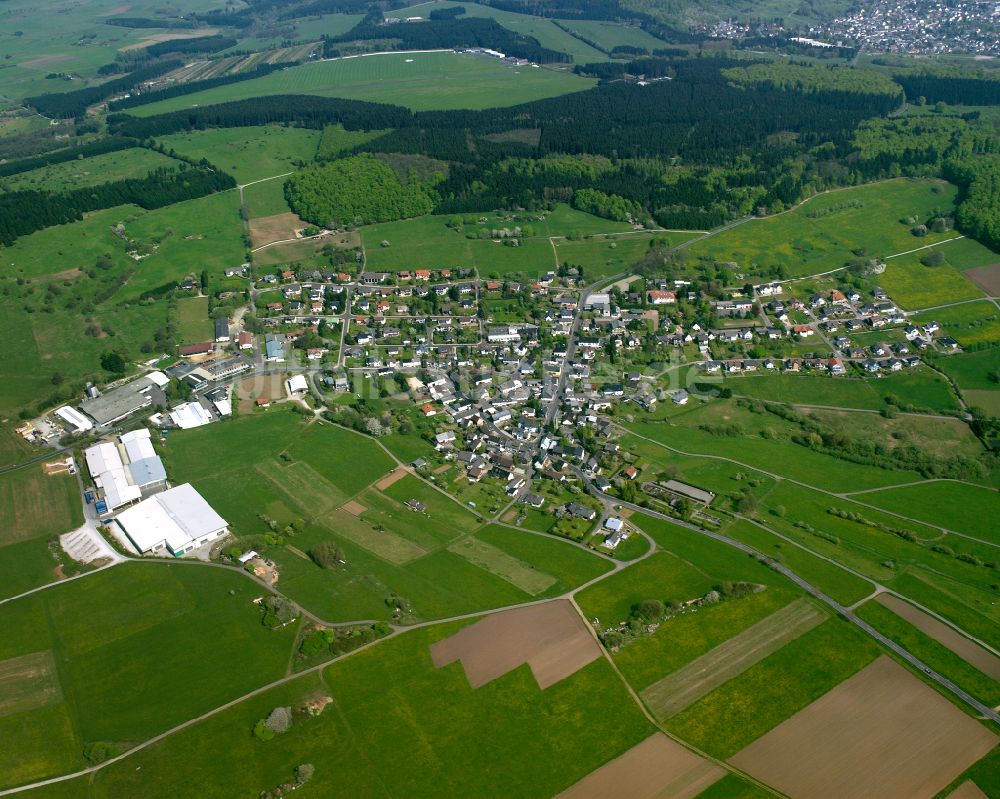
(859, 739)
(545, 31)
(970, 324)
(822, 234)
(958, 506)
(248, 153)
(550, 637)
(741, 710)
(419, 81)
(913, 285)
(193, 324)
(392, 705)
(134, 163)
(926, 637)
(514, 571)
(112, 637)
(34, 505)
(682, 688)
(656, 767)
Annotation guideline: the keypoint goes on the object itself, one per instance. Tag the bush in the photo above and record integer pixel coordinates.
(279, 720)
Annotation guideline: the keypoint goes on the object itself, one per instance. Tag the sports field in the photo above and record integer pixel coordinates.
(858, 740)
(420, 81)
(392, 706)
(126, 651)
(249, 153)
(822, 234)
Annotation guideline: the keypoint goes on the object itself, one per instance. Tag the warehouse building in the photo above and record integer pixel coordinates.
(175, 522)
(115, 405)
(126, 469)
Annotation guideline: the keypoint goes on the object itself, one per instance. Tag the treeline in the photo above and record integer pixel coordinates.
(100, 147)
(979, 198)
(359, 190)
(951, 90)
(146, 22)
(197, 44)
(24, 212)
(440, 34)
(76, 103)
(180, 89)
(304, 110)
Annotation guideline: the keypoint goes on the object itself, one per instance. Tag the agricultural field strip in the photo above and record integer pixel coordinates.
(984, 660)
(684, 687)
(963, 695)
(793, 481)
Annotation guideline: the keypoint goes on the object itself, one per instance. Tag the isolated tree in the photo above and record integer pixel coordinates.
(650, 610)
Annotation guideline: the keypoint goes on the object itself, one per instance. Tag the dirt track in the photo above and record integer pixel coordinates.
(987, 663)
(687, 685)
(657, 768)
(551, 638)
(396, 474)
(880, 733)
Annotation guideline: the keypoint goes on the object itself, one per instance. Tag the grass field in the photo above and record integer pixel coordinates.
(608, 34)
(682, 688)
(33, 504)
(821, 234)
(776, 688)
(938, 657)
(392, 705)
(913, 285)
(958, 506)
(970, 324)
(134, 163)
(970, 370)
(131, 646)
(427, 242)
(193, 324)
(420, 81)
(266, 199)
(545, 31)
(249, 153)
(13, 448)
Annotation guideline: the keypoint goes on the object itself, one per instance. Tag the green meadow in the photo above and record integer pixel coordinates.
(390, 705)
(913, 285)
(608, 35)
(966, 508)
(248, 153)
(972, 324)
(134, 650)
(134, 163)
(822, 233)
(419, 81)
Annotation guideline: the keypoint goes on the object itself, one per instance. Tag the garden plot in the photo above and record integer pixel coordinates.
(703, 675)
(653, 769)
(882, 732)
(550, 637)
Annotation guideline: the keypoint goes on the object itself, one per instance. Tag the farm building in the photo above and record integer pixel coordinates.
(176, 521)
(76, 421)
(296, 384)
(688, 492)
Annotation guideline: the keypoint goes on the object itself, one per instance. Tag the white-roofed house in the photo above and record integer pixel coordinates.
(176, 521)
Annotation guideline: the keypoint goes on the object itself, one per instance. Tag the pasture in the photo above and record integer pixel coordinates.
(914, 286)
(267, 199)
(121, 641)
(392, 705)
(971, 370)
(134, 163)
(247, 153)
(821, 234)
(968, 509)
(682, 688)
(607, 35)
(419, 81)
(858, 740)
(971, 324)
(741, 710)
